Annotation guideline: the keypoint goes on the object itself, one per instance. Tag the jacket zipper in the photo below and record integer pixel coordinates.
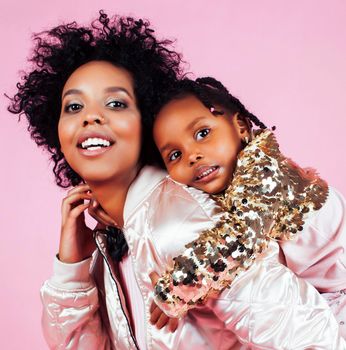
(116, 284)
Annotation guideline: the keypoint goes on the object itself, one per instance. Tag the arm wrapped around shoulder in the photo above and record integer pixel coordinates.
(269, 198)
(208, 265)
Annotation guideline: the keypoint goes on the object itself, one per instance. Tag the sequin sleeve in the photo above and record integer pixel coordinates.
(269, 198)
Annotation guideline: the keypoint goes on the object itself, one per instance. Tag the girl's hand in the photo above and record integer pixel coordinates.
(158, 317)
(76, 239)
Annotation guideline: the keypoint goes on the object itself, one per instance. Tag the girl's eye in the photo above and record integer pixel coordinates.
(73, 107)
(202, 134)
(174, 156)
(116, 104)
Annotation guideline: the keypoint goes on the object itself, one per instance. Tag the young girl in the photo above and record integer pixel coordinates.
(87, 100)
(206, 141)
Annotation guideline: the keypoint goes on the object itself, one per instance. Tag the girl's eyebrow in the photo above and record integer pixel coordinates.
(107, 90)
(165, 148)
(194, 122)
(188, 127)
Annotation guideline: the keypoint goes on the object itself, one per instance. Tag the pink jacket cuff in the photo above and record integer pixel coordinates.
(75, 276)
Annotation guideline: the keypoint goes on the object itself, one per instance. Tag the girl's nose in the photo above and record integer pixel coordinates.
(194, 158)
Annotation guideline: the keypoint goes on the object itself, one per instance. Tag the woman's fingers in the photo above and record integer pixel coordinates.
(79, 188)
(96, 211)
(75, 198)
(76, 241)
(73, 201)
(75, 212)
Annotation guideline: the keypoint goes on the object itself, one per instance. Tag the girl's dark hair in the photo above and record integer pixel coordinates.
(211, 93)
(125, 42)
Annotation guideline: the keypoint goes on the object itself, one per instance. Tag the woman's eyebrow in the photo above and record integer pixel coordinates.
(107, 90)
(71, 92)
(117, 89)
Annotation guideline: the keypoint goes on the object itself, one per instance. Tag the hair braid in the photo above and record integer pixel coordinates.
(231, 100)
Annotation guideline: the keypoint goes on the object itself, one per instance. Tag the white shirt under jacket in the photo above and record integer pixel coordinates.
(267, 307)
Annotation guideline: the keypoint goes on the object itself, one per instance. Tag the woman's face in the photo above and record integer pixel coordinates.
(100, 124)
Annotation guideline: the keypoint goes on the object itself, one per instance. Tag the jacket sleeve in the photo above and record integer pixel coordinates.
(207, 266)
(318, 255)
(268, 307)
(71, 318)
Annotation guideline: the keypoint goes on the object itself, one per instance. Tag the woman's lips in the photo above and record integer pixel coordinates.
(206, 173)
(93, 143)
(94, 151)
(91, 134)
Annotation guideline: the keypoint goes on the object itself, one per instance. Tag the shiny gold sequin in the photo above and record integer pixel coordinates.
(269, 198)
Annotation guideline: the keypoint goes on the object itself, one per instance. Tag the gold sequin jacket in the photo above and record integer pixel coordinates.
(269, 198)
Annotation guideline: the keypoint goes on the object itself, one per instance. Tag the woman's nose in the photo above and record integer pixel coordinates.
(93, 118)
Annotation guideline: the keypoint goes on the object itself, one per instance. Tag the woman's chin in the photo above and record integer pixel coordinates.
(108, 176)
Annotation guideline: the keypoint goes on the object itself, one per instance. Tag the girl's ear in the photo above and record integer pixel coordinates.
(242, 126)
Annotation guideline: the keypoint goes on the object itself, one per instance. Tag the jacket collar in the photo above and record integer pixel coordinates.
(146, 181)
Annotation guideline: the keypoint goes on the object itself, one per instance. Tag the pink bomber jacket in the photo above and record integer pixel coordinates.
(266, 307)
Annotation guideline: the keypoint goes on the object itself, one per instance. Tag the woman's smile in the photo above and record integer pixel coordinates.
(94, 143)
(100, 124)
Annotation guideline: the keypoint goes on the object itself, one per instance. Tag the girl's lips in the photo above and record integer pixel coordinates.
(94, 152)
(206, 173)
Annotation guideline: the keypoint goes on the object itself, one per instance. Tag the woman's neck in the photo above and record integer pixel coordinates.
(112, 195)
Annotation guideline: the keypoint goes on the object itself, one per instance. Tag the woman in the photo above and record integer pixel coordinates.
(87, 101)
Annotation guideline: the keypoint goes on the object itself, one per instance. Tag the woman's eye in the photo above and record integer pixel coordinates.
(116, 104)
(174, 156)
(73, 107)
(202, 134)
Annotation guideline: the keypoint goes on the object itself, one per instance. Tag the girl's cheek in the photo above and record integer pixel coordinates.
(178, 173)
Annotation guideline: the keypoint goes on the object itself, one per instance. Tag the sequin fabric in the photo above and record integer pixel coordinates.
(268, 198)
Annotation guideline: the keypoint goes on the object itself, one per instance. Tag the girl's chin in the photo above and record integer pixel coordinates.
(214, 188)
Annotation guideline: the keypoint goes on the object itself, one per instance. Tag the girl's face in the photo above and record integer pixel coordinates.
(100, 124)
(199, 149)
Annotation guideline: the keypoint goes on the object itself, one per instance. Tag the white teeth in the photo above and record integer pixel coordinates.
(95, 143)
(205, 173)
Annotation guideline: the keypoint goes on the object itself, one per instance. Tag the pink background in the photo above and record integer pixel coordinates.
(286, 60)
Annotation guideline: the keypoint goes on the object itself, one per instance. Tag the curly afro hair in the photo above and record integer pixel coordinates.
(123, 41)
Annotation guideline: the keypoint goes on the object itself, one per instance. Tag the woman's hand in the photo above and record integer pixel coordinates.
(158, 317)
(76, 239)
(97, 212)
